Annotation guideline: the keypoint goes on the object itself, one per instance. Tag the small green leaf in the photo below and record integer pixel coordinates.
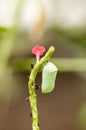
(48, 77)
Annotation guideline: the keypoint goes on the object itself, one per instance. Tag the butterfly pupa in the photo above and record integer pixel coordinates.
(48, 77)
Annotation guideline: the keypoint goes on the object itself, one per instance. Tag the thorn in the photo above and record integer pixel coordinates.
(32, 66)
(27, 99)
(38, 124)
(37, 86)
(30, 114)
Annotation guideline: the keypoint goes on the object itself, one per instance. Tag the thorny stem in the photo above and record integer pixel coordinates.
(31, 87)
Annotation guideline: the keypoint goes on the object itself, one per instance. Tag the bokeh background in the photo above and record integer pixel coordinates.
(24, 24)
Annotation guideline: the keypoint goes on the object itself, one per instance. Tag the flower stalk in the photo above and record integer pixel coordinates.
(31, 87)
(38, 51)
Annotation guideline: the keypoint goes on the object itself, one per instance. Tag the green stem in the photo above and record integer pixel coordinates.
(31, 86)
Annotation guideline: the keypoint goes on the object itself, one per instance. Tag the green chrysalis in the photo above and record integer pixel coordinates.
(48, 77)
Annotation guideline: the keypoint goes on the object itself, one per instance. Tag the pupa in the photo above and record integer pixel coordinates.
(48, 77)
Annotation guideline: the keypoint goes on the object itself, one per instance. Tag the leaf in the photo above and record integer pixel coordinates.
(48, 77)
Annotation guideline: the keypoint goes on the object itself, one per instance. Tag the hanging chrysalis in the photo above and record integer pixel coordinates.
(48, 77)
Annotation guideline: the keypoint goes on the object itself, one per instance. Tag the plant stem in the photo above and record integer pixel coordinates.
(31, 86)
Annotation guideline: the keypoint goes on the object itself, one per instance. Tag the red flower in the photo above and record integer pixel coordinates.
(38, 51)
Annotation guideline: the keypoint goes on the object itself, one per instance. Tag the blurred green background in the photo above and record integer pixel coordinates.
(24, 24)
